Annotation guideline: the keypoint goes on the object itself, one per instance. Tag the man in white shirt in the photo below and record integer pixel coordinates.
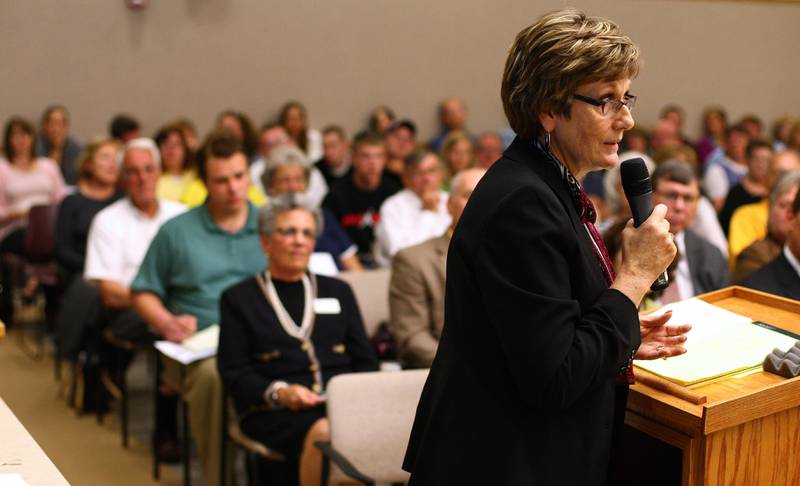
(702, 267)
(118, 240)
(120, 234)
(418, 212)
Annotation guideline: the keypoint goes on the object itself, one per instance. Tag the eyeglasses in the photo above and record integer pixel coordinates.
(607, 105)
(674, 196)
(292, 231)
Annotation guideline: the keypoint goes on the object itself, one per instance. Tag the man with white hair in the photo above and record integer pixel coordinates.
(118, 240)
(120, 234)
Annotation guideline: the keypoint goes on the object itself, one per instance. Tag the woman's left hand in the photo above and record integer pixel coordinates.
(660, 340)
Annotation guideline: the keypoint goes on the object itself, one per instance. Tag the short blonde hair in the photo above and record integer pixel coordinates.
(551, 58)
(88, 153)
(449, 144)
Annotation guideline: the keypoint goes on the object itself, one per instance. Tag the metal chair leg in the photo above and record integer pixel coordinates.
(187, 459)
(156, 460)
(123, 388)
(223, 450)
(57, 363)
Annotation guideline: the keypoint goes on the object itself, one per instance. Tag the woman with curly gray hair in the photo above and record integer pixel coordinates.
(530, 379)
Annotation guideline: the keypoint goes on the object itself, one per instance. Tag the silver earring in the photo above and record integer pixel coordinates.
(547, 140)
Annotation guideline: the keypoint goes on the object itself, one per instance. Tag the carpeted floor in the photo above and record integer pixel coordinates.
(86, 453)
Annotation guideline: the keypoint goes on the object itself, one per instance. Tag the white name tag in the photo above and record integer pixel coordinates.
(327, 306)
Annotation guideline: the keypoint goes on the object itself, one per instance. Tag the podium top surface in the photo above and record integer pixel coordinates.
(732, 400)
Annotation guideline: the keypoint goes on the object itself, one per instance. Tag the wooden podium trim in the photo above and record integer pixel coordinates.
(682, 392)
(735, 411)
(755, 296)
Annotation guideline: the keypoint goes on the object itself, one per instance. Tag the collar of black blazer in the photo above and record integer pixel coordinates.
(525, 153)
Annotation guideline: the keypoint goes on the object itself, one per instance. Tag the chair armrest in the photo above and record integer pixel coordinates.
(349, 469)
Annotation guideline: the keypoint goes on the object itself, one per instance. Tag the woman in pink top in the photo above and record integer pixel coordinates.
(25, 181)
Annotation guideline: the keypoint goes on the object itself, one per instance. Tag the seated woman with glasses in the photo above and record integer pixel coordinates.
(289, 170)
(283, 334)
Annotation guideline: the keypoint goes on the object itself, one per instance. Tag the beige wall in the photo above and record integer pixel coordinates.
(342, 57)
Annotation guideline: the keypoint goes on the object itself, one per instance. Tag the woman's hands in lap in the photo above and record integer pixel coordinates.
(298, 397)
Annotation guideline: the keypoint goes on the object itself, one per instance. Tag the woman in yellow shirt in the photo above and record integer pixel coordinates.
(177, 164)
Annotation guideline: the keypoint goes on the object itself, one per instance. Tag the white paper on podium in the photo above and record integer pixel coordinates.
(202, 345)
(721, 343)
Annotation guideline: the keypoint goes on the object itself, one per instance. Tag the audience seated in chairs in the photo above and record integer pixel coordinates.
(288, 171)
(781, 276)
(284, 333)
(416, 292)
(25, 181)
(749, 222)
(199, 254)
(119, 236)
(191, 260)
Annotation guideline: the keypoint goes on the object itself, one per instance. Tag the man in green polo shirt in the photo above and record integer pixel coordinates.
(191, 260)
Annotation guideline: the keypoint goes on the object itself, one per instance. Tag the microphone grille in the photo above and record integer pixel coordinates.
(635, 177)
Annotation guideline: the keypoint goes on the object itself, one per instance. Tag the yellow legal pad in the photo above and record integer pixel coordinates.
(720, 343)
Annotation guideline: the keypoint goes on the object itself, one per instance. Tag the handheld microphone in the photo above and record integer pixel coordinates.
(639, 192)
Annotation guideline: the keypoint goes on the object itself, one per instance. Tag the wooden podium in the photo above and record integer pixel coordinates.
(737, 431)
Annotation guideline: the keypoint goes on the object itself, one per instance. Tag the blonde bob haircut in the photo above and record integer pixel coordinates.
(88, 153)
(553, 57)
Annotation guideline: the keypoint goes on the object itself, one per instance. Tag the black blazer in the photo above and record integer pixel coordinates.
(254, 350)
(776, 277)
(707, 265)
(522, 390)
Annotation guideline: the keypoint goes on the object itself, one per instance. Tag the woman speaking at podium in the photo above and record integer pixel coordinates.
(530, 380)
